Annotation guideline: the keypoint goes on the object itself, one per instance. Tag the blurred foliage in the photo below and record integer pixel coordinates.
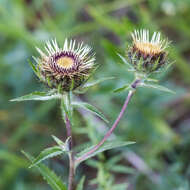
(157, 121)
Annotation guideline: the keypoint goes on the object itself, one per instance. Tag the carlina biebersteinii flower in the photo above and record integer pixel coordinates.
(65, 68)
(147, 55)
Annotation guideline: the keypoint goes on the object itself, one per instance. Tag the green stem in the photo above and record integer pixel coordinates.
(71, 171)
(65, 106)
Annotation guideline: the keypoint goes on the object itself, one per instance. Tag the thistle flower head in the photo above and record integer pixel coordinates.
(67, 67)
(147, 54)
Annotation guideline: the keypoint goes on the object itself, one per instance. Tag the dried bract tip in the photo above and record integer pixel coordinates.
(65, 68)
(147, 54)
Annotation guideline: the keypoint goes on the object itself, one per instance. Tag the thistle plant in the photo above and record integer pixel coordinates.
(147, 55)
(64, 68)
(65, 72)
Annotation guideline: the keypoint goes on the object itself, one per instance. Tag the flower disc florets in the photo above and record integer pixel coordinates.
(65, 68)
(147, 55)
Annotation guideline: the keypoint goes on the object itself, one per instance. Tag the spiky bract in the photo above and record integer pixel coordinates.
(147, 55)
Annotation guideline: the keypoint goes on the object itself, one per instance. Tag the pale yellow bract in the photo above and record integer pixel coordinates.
(148, 48)
(143, 43)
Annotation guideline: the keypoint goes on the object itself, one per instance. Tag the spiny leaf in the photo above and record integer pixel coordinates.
(90, 108)
(169, 65)
(151, 80)
(90, 84)
(47, 153)
(65, 146)
(104, 147)
(165, 68)
(58, 141)
(81, 184)
(33, 66)
(155, 86)
(123, 88)
(42, 96)
(125, 61)
(52, 179)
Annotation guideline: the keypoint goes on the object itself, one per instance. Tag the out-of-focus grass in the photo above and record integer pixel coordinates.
(158, 122)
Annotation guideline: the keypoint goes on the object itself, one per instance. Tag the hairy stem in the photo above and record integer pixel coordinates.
(71, 171)
(129, 96)
(69, 133)
(71, 155)
(65, 105)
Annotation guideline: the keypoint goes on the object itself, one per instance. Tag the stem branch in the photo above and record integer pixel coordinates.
(130, 94)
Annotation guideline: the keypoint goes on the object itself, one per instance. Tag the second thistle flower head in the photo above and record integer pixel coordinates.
(147, 54)
(67, 67)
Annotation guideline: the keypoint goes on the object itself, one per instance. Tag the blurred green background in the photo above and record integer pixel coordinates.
(157, 121)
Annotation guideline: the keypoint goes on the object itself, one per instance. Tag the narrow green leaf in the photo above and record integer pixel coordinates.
(72, 85)
(125, 61)
(63, 145)
(106, 146)
(33, 66)
(90, 108)
(93, 83)
(151, 80)
(81, 184)
(47, 153)
(58, 141)
(169, 65)
(66, 107)
(52, 179)
(67, 144)
(155, 86)
(59, 88)
(42, 96)
(123, 88)
(122, 169)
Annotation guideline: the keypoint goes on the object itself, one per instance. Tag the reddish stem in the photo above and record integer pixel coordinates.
(69, 132)
(83, 157)
(71, 155)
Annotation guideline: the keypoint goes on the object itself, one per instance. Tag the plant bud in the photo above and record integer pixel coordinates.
(65, 68)
(147, 55)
